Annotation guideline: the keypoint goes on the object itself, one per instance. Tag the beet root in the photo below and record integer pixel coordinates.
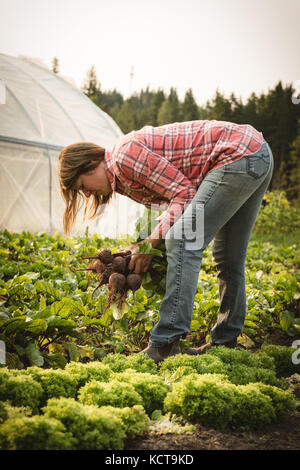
(104, 278)
(117, 288)
(97, 267)
(134, 282)
(113, 269)
(105, 256)
(117, 282)
(119, 264)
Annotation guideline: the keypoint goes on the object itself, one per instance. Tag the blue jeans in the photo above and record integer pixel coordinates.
(230, 198)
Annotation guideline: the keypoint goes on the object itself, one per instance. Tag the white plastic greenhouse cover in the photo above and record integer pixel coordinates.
(40, 113)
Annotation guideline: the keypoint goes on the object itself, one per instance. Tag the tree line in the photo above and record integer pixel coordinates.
(276, 114)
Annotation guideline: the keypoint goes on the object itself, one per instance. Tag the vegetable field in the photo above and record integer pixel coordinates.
(73, 378)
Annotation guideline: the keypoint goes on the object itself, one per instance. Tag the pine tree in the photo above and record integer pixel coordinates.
(170, 109)
(110, 102)
(157, 99)
(219, 108)
(189, 109)
(237, 109)
(91, 86)
(125, 117)
(293, 189)
(279, 126)
(250, 111)
(142, 104)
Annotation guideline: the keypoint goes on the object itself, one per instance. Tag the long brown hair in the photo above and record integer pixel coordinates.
(75, 160)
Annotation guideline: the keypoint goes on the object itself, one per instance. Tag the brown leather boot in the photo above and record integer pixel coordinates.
(160, 354)
(205, 347)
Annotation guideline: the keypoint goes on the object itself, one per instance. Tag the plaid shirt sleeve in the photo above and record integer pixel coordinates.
(138, 167)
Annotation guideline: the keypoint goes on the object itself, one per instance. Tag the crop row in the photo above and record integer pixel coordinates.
(99, 405)
(48, 315)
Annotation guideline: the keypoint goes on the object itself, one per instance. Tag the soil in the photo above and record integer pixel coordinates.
(280, 436)
(283, 436)
(279, 337)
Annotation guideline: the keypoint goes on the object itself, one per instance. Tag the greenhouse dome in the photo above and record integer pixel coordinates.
(40, 113)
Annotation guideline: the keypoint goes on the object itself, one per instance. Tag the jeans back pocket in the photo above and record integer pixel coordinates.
(258, 163)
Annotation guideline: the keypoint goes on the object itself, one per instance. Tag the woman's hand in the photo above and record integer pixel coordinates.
(139, 262)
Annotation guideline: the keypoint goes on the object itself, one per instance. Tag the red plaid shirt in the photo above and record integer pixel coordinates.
(166, 164)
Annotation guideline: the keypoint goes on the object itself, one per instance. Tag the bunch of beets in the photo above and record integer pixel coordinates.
(112, 269)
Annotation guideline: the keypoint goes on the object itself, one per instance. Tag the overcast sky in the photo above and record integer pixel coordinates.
(237, 46)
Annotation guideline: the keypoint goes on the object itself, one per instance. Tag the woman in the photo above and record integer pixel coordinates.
(212, 175)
